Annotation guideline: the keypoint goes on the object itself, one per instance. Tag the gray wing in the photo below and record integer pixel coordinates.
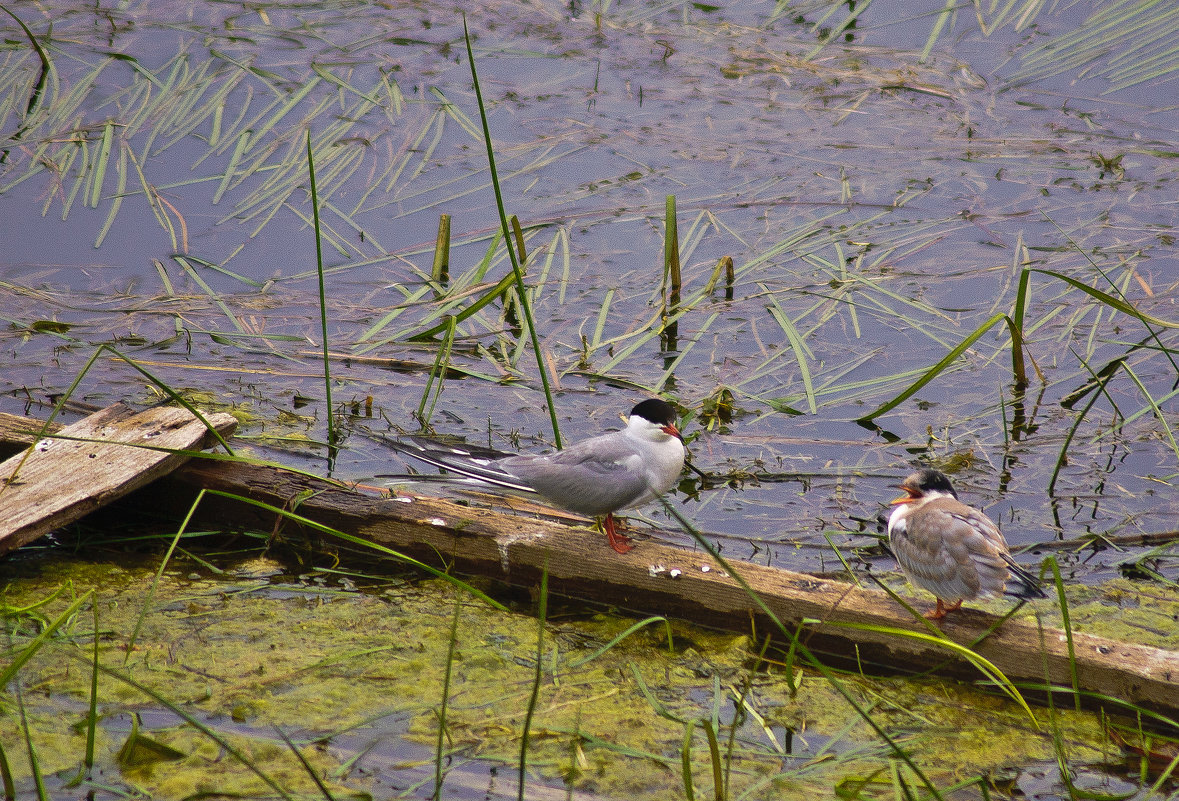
(954, 555)
(595, 476)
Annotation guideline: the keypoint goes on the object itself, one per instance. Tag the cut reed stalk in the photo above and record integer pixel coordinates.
(440, 271)
(671, 275)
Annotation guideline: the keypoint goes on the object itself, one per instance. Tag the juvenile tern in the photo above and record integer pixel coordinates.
(596, 476)
(950, 549)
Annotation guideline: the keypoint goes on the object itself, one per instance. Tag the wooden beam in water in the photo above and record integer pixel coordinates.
(665, 580)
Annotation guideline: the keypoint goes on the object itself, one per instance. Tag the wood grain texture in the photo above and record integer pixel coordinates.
(88, 464)
(665, 580)
(516, 549)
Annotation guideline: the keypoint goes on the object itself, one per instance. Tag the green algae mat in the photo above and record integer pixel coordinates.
(251, 679)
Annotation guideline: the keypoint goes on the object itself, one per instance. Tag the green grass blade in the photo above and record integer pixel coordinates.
(826, 672)
(686, 760)
(320, 527)
(6, 780)
(184, 714)
(92, 712)
(42, 637)
(1110, 300)
(310, 771)
(984, 665)
(936, 370)
(541, 621)
(151, 589)
(438, 749)
(521, 294)
(629, 631)
(34, 763)
(327, 367)
(718, 778)
(1067, 624)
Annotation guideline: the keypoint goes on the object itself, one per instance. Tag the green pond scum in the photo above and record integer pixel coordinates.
(353, 675)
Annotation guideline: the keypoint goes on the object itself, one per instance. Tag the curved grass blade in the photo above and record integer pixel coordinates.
(42, 637)
(517, 272)
(492, 294)
(803, 649)
(1110, 300)
(629, 631)
(937, 369)
(187, 717)
(984, 665)
(42, 77)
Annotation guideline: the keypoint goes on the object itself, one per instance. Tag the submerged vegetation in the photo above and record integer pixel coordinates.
(836, 257)
(239, 653)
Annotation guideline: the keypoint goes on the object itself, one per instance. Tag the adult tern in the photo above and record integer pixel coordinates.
(596, 476)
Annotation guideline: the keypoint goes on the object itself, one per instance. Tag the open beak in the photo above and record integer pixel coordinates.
(908, 497)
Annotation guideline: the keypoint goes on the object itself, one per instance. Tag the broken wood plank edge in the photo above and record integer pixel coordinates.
(86, 465)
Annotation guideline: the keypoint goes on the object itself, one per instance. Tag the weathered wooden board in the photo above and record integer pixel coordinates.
(672, 581)
(107, 455)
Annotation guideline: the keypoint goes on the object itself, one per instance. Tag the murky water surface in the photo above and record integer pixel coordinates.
(878, 208)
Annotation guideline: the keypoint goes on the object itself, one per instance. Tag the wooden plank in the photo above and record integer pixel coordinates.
(515, 549)
(59, 480)
(16, 430)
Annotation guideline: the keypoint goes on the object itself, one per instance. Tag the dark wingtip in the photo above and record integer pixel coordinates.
(1027, 586)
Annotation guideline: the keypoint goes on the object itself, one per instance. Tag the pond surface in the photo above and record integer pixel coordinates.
(878, 210)
(880, 205)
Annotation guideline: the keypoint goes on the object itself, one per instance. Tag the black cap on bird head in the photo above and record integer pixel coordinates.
(927, 480)
(655, 411)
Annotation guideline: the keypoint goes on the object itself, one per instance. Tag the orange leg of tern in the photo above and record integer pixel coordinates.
(940, 612)
(619, 542)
